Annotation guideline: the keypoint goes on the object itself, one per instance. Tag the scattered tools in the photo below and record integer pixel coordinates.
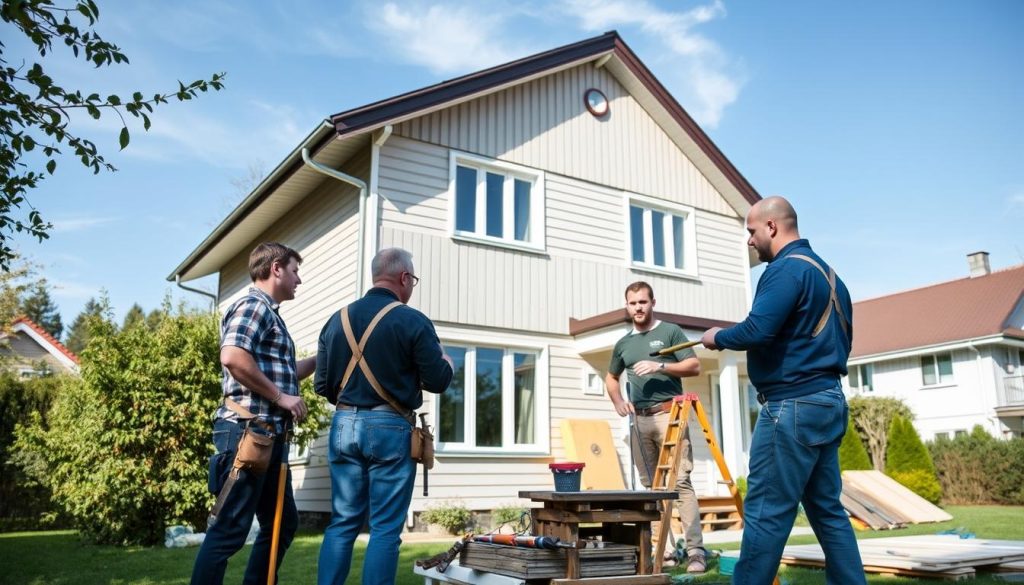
(442, 560)
(524, 541)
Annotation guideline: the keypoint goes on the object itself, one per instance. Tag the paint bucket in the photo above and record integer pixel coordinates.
(567, 476)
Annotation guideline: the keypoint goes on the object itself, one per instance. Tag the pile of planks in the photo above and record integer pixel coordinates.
(936, 556)
(533, 563)
(882, 503)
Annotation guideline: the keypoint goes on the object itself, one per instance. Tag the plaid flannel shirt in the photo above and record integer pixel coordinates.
(253, 324)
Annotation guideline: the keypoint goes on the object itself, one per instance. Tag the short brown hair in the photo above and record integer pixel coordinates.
(637, 287)
(263, 257)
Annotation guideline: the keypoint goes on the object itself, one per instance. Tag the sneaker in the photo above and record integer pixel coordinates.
(696, 565)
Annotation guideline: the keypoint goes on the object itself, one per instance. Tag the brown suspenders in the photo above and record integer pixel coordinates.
(359, 359)
(833, 297)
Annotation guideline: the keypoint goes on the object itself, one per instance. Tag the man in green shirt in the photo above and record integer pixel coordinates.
(652, 383)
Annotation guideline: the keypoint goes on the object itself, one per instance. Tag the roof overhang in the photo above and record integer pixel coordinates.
(600, 332)
(58, 351)
(1012, 337)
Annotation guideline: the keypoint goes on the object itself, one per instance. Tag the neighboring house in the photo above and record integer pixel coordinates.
(953, 351)
(530, 195)
(29, 350)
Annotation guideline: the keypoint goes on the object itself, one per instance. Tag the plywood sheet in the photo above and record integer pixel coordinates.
(884, 489)
(590, 442)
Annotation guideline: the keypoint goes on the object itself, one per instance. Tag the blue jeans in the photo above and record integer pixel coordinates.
(372, 477)
(794, 458)
(251, 495)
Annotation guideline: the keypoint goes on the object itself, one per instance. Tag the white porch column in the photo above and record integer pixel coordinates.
(732, 411)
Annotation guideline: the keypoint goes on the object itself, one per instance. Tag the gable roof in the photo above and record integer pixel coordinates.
(48, 342)
(958, 310)
(334, 141)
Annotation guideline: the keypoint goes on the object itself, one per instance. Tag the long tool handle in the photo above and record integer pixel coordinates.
(675, 348)
(282, 478)
(423, 423)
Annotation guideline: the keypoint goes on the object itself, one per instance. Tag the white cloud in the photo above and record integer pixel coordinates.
(701, 76)
(78, 224)
(1015, 204)
(65, 290)
(446, 38)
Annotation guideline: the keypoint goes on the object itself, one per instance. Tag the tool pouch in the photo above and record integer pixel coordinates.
(422, 448)
(254, 451)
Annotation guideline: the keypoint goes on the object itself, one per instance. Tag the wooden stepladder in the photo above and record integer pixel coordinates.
(667, 470)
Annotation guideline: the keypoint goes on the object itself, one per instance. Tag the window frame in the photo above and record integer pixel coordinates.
(670, 209)
(939, 381)
(542, 412)
(483, 165)
(860, 369)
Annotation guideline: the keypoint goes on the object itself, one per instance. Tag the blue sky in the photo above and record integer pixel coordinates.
(895, 128)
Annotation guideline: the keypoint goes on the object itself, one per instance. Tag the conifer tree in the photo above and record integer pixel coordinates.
(908, 461)
(40, 308)
(852, 454)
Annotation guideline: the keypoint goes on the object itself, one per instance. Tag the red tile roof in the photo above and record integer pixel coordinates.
(46, 335)
(943, 313)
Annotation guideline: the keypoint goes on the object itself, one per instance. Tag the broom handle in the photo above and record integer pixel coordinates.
(282, 479)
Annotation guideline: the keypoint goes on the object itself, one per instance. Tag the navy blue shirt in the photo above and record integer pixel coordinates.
(784, 359)
(403, 353)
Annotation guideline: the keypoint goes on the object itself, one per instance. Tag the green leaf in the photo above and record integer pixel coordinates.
(114, 100)
(124, 137)
(51, 166)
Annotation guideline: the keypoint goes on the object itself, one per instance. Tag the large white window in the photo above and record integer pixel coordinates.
(861, 377)
(662, 237)
(496, 202)
(936, 369)
(495, 401)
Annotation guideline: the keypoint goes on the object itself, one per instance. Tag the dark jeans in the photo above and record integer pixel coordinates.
(794, 457)
(251, 495)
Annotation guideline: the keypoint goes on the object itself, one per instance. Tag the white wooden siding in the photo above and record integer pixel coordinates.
(544, 124)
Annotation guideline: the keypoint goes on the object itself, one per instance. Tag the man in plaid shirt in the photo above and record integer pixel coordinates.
(262, 376)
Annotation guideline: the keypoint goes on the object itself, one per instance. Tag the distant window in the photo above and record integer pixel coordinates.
(941, 436)
(936, 369)
(493, 401)
(662, 237)
(497, 202)
(960, 433)
(861, 377)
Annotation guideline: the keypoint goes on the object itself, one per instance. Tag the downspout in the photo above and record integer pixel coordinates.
(363, 192)
(373, 199)
(982, 379)
(213, 297)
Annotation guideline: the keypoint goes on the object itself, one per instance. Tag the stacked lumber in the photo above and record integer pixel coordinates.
(533, 563)
(882, 503)
(937, 557)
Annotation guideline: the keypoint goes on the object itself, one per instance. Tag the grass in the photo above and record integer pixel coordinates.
(61, 558)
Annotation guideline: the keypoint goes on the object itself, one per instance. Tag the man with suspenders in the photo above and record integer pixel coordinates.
(375, 358)
(797, 337)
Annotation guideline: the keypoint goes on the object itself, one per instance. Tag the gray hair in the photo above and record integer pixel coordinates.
(390, 262)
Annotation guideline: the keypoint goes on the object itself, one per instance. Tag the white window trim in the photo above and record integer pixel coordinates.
(297, 456)
(538, 196)
(542, 425)
(588, 388)
(938, 378)
(860, 378)
(689, 233)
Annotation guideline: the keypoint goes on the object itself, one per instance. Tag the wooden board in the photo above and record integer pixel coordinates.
(590, 442)
(532, 563)
(885, 489)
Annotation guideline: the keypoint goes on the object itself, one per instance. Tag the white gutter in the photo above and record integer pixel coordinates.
(363, 192)
(213, 297)
(929, 349)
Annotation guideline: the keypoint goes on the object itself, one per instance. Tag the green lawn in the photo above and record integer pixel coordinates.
(60, 558)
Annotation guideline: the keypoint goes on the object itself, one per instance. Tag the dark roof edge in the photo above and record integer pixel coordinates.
(581, 326)
(427, 97)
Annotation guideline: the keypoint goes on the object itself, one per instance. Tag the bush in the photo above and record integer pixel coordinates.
(906, 457)
(980, 469)
(452, 516)
(510, 514)
(126, 449)
(852, 454)
(873, 415)
(24, 503)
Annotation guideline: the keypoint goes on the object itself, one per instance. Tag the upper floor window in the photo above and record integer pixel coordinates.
(662, 237)
(936, 369)
(860, 377)
(495, 401)
(496, 202)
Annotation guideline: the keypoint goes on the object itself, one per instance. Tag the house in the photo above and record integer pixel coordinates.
(30, 350)
(952, 351)
(530, 195)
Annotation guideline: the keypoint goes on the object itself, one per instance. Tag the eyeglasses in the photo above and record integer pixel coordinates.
(415, 279)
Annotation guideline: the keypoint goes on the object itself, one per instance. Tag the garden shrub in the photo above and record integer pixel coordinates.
(510, 514)
(872, 415)
(452, 516)
(852, 454)
(906, 457)
(978, 468)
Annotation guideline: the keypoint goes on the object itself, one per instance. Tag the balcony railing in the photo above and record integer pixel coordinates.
(1013, 391)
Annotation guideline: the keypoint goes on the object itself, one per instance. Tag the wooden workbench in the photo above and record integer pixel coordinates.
(624, 516)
